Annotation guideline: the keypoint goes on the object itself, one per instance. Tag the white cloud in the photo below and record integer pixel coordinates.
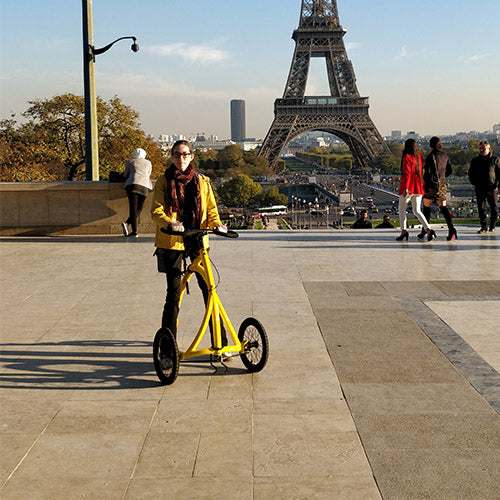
(191, 53)
(402, 53)
(413, 55)
(477, 57)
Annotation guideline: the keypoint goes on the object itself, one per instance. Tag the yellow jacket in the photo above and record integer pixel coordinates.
(209, 214)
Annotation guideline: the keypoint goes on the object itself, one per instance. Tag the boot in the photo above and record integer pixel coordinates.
(427, 214)
(452, 232)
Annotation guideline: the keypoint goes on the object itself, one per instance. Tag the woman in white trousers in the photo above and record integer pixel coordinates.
(411, 189)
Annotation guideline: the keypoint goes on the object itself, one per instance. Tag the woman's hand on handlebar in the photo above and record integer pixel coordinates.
(220, 229)
(176, 227)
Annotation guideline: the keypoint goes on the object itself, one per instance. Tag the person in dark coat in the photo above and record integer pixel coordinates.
(386, 223)
(437, 167)
(362, 222)
(484, 175)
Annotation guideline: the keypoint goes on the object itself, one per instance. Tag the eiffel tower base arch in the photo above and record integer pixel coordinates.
(356, 129)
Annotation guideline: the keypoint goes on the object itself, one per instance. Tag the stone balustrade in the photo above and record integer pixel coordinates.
(88, 208)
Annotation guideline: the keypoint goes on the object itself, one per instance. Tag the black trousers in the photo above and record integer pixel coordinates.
(170, 262)
(135, 204)
(489, 197)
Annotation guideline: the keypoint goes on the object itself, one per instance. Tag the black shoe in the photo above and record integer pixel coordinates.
(422, 234)
(452, 235)
(403, 236)
(432, 235)
(483, 230)
(492, 229)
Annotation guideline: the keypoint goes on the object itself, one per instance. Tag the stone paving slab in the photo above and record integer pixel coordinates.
(386, 415)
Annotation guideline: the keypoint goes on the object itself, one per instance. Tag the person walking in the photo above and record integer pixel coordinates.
(437, 167)
(137, 185)
(411, 188)
(182, 199)
(484, 175)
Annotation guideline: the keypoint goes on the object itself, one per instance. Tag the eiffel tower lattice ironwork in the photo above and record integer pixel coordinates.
(343, 113)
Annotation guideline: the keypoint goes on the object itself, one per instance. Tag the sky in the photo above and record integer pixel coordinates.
(432, 66)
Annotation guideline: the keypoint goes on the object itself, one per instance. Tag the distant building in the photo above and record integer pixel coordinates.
(396, 135)
(167, 141)
(496, 128)
(238, 124)
(412, 135)
(201, 141)
(250, 144)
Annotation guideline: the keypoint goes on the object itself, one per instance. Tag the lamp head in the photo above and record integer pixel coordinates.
(135, 46)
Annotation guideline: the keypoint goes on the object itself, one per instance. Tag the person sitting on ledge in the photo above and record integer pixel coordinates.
(386, 223)
(362, 222)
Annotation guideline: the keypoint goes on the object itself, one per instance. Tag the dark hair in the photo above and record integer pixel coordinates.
(411, 149)
(486, 143)
(435, 143)
(180, 143)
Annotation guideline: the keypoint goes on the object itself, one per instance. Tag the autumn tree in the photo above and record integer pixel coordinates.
(239, 191)
(51, 144)
(274, 197)
(231, 157)
(206, 162)
(26, 158)
(232, 161)
(256, 166)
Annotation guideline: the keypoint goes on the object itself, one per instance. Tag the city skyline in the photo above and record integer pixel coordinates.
(435, 69)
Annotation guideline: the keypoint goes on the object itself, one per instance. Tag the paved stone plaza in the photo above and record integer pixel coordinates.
(382, 380)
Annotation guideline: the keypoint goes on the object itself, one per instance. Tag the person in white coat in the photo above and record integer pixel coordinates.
(137, 185)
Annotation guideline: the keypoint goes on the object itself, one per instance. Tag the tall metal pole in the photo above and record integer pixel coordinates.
(91, 137)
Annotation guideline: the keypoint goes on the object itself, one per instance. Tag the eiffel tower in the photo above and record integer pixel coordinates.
(343, 113)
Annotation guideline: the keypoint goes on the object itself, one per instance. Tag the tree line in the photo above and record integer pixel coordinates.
(342, 160)
(49, 145)
(460, 158)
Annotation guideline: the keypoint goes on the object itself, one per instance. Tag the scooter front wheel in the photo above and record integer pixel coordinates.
(257, 345)
(166, 356)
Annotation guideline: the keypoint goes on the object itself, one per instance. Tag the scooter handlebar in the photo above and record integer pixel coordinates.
(226, 234)
(192, 232)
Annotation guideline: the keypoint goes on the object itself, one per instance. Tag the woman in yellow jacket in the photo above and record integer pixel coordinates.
(182, 199)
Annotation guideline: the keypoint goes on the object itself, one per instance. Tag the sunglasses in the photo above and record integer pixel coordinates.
(184, 155)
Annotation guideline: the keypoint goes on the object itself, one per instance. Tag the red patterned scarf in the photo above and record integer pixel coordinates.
(183, 195)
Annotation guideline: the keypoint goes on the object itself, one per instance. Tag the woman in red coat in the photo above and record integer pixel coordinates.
(411, 188)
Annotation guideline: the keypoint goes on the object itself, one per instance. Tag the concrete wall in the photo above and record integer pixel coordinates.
(41, 208)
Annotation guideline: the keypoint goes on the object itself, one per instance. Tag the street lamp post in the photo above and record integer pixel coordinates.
(89, 53)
